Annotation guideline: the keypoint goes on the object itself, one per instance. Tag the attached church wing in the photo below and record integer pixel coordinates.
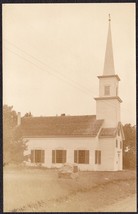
(112, 132)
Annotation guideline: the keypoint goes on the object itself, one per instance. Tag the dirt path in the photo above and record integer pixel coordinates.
(36, 190)
(125, 205)
(115, 196)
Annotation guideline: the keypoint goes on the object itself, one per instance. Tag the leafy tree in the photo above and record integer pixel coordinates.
(13, 144)
(129, 152)
(28, 115)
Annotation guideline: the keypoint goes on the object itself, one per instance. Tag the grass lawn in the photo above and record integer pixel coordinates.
(32, 190)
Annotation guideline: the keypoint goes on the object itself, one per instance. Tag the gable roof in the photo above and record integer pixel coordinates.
(69, 126)
(111, 132)
(108, 132)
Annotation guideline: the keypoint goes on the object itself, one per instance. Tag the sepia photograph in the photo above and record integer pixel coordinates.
(69, 107)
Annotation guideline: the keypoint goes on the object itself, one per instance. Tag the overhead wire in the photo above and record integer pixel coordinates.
(55, 70)
(63, 77)
(87, 90)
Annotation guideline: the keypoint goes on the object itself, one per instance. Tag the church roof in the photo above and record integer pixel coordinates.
(65, 126)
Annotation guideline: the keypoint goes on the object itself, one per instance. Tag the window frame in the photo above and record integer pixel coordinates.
(107, 90)
(59, 156)
(78, 158)
(37, 156)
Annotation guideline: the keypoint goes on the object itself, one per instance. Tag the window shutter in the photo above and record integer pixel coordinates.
(99, 157)
(53, 156)
(32, 156)
(64, 156)
(87, 156)
(37, 156)
(81, 156)
(75, 156)
(42, 156)
(95, 156)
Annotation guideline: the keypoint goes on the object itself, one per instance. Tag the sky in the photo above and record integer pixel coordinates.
(53, 53)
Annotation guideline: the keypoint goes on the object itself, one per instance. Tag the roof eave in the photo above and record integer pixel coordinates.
(106, 76)
(59, 136)
(109, 98)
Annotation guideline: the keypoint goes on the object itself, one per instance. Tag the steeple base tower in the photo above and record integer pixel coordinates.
(108, 109)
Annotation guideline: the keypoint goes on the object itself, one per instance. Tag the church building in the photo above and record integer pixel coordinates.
(93, 142)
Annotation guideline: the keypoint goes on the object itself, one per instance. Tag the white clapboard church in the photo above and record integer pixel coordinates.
(94, 142)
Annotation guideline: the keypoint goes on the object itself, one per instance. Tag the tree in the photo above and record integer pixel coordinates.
(28, 115)
(129, 152)
(13, 143)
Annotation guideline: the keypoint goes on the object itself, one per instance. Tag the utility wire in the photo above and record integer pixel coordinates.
(25, 26)
(55, 70)
(83, 89)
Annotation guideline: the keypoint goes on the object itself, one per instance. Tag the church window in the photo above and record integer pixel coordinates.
(37, 156)
(107, 90)
(58, 156)
(81, 156)
(116, 143)
(97, 157)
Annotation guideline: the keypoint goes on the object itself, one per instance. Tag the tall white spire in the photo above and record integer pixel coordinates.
(109, 59)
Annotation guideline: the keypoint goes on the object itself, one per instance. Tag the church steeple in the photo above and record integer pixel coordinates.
(109, 59)
(108, 102)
